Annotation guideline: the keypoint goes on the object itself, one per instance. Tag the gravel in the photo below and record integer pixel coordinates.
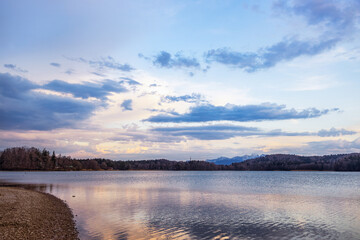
(27, 214)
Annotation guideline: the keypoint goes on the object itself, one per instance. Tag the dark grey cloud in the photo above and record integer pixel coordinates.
(10, 66)
(166, 60)
(127, 105)
(213, 132)
(171, 111)
(105, 63)
(129, 81)
(323, 147)
(98, 74)
(207, 128)
(335, 146)
(87, 89)
(221, 132)
(54, 64)
(25, 109)
(15, 68)
(143, 137)
(14, 86)
(193, 98)
(285, 50)
(262, 112)
(333, 132)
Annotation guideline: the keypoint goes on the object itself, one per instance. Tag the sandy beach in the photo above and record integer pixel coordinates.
(27, 214)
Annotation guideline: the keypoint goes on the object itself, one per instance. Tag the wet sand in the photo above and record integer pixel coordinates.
(27, 214)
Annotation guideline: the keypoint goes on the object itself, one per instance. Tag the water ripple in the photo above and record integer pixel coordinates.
(207, 205)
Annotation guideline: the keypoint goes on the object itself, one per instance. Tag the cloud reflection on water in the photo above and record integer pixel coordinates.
(113, 212)
(208, 205)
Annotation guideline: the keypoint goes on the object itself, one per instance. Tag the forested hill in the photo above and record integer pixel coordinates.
(20, 158)
(36, 159)
(287, 162)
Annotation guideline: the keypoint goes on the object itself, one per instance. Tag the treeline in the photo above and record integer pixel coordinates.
(287, 162)
(21, 158)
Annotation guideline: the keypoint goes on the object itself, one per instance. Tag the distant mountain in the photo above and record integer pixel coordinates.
(228, 161)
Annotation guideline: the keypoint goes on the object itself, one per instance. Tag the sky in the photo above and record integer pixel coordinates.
(180, 79)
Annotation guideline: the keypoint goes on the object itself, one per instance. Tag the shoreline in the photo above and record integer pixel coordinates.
(164, 170)
(29, 214)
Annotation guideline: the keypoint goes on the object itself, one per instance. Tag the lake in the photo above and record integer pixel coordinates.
(205, 204)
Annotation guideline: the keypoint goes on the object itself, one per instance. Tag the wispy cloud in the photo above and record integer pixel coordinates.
(127, 105)
(166, 60)
(339, 17)
(333, 132)
(335, 146)
(285, 50)
(338, 20)
(54, 64)
(193, 98)
(15, 68)
(145, 137)
(129, 81)
(70, 71)
(213, 132)
(321, 147)
(262, 112)
(105, 63)
(168, 111)
(222, 132)
(98, 74)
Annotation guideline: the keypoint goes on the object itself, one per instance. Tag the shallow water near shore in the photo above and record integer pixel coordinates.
(206, 205)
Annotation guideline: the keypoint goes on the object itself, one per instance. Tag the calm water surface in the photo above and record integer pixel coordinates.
(206, 205)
